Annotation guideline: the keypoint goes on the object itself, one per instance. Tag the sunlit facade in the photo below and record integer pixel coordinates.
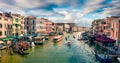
(5, 25)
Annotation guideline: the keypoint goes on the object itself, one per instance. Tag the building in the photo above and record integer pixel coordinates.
(30, 24)
(5, 25)
(75, 28)
(67, 27)
(48, 26)
(71, 26)
(109, 26)
(18, 25)
(60, 28)
(40, 27)
(115, 28)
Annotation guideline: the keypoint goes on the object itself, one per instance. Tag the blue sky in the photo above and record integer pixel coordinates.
(81, 12)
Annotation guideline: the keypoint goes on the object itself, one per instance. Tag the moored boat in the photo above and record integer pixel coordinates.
(38, 40)
(57, 39)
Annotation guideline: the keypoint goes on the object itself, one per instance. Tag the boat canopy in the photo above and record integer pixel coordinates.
(57, 37)
(105, 40)
(7, 38)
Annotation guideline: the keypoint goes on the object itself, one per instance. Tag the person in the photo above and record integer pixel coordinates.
(66, 38)
(73, 36)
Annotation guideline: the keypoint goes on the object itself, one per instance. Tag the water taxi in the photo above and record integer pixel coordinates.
(38, 40)
(57, 39)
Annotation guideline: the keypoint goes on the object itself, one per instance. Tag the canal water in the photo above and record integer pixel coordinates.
(78, 52)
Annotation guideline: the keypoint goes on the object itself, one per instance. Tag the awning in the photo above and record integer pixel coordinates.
(105, 40)
(6, 38)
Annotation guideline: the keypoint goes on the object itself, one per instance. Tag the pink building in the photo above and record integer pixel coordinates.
(48, 25)
(5, 24)
(115, 28)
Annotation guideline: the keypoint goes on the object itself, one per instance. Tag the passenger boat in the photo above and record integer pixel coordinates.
(38, 40)
(57, 39)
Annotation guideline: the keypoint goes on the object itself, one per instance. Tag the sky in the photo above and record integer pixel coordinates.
(81, 12)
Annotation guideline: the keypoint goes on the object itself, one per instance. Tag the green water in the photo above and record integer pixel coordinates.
(78, 52)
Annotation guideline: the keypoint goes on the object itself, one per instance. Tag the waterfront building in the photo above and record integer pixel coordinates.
(5, 24)
(49, 26)
(71, 26)
(30, 24)
(40, 26)
(60, 27)
(67, 27)
(115, 28)
(18, 25)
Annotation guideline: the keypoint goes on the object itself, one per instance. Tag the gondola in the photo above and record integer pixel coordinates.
(23, 53)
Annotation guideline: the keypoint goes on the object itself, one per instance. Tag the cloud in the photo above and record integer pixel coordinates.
(81, 12)
(113, 8)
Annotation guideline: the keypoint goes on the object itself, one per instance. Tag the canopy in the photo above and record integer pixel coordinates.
(7, 38)
(105, 40)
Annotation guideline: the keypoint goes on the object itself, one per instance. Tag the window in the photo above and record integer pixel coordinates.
(116, 34)
(6, 19)
(33, 28)
(41, 27)
(0, 25)
(21, 27)
(5, 25)
(16, 20)
(41, 22)
(33, 22)
(27, 22)
(0, 33)
(22, 22)
(27, 28)
(5, 33)
(116, 25)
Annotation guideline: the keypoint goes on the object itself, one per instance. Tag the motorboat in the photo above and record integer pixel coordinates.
(69, 43)
(57, 39)
(38, 41)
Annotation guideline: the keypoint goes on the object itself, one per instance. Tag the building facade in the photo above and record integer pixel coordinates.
(18, 25)
(40, 25)
(48, 25)
(30, 24)
(5, 25)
